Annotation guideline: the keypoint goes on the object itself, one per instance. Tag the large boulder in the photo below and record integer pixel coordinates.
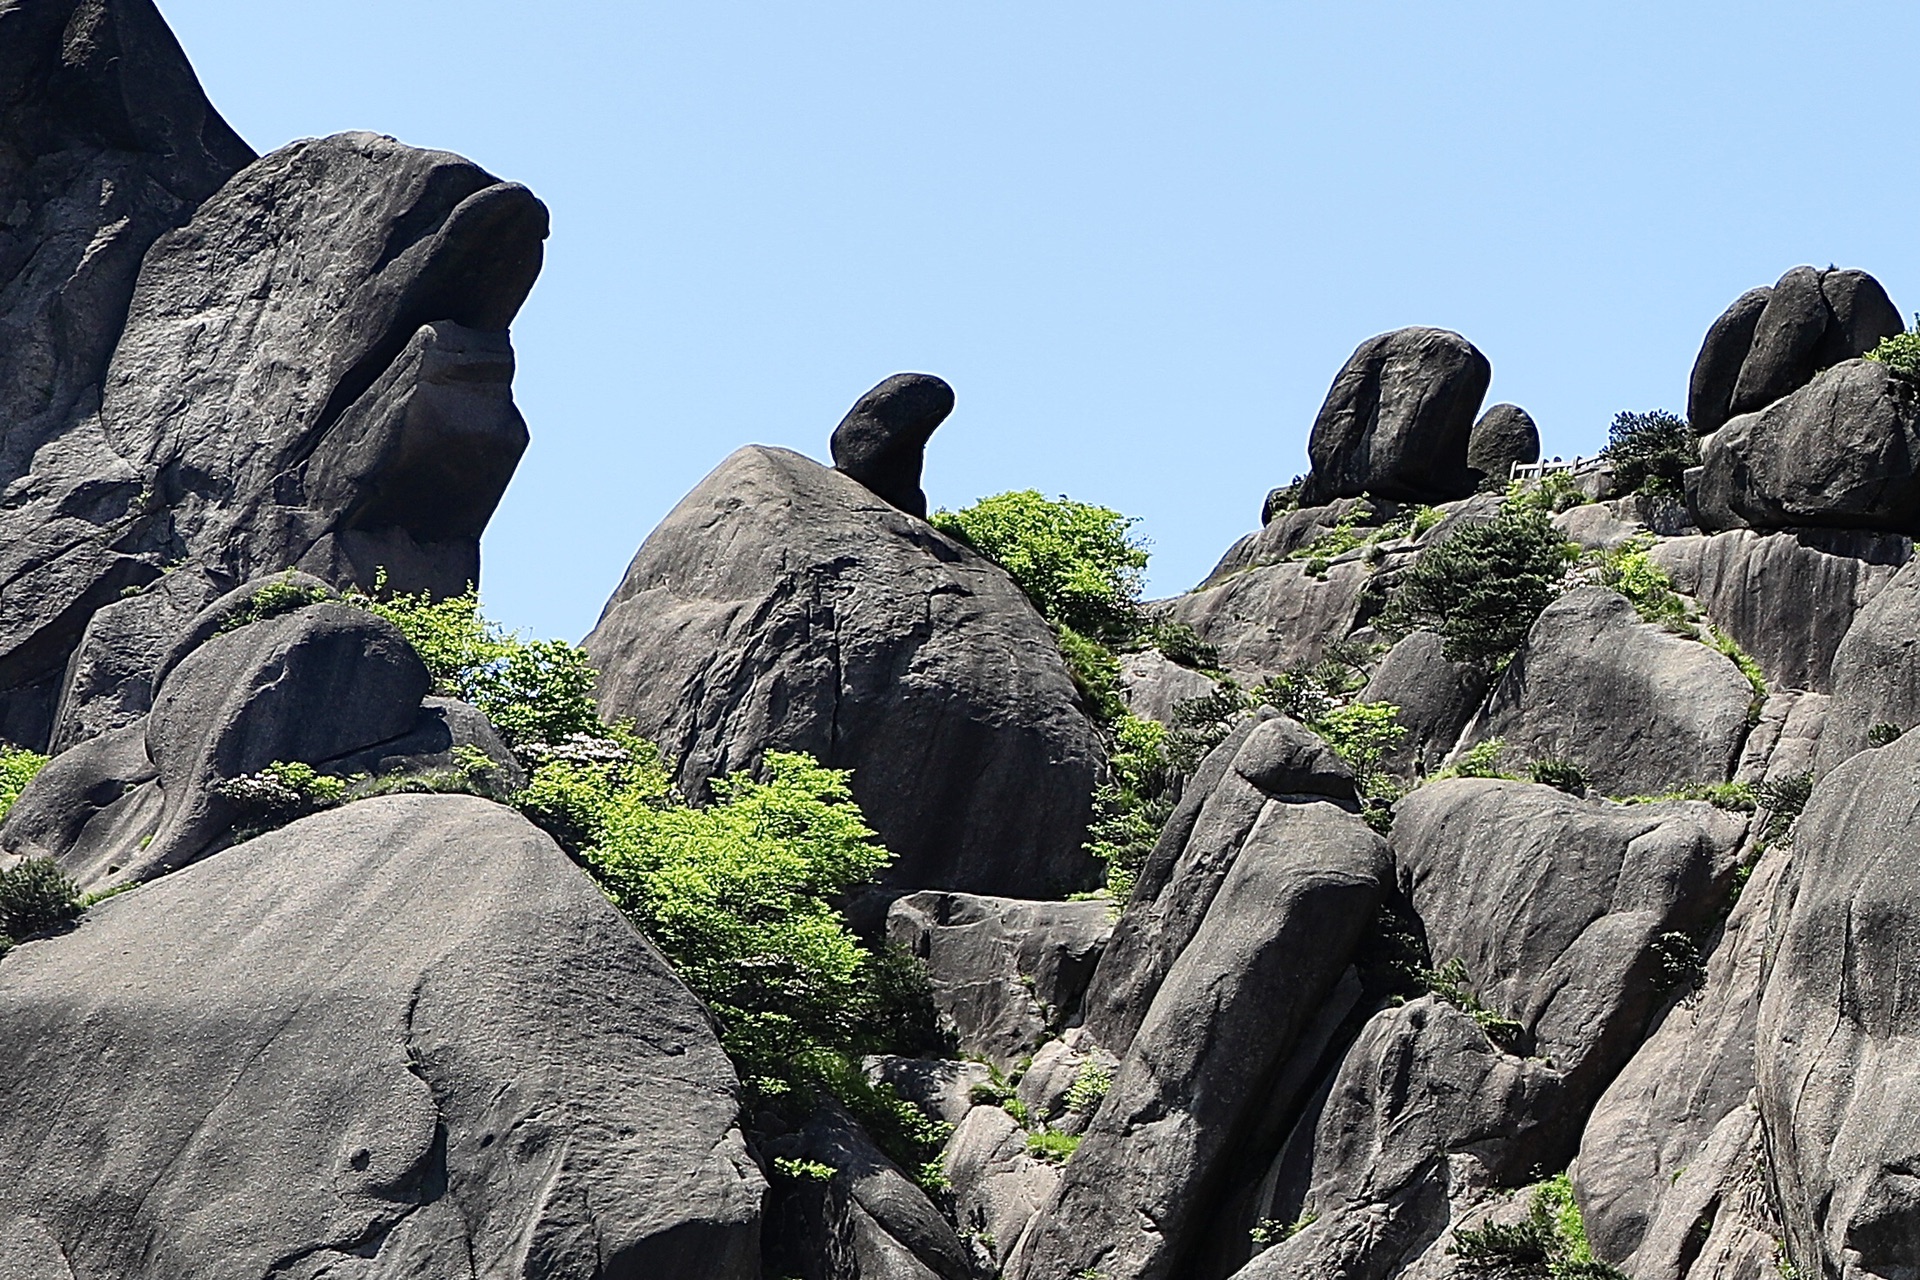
(1717, 368)
(998, 1186)
(1225, 1048)
(1269, 617)
(1436, 699)
(1812, 319)
(882, 441)
(1284, 532)
(1839, 1098)
(1640, 710)
(1398, 419)
(1153, 686)
(1505, 434)
(1843, 451)
(313, 371)
(1876, 671)
(1786, 598)
(783, 606)
(1004, 972)
(401, 1038)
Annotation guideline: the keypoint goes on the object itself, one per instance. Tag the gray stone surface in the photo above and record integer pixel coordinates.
(1152, 685)
(1640, 710)
(941, 1087)
(1436, 699)
(1812, 320)
(782, 606)
(997, 1186)
(1287, 532)
(1839, 1098)
(1233, 806)
(1397, 420)
(1722, 352)
(1841, 452)
(1505, 434)
(1004, 972)
(312, 371)
(403, 1038)
(1269, 617)
(1787, 598)
(882, 441)
(1876, 671)
(1209, 1062)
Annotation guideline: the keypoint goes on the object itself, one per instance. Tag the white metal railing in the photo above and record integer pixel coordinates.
(1546, 467)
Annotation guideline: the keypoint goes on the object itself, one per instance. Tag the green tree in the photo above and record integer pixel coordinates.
(17, 768)
(1482, 587)
(1076, 562)
(1650, 452)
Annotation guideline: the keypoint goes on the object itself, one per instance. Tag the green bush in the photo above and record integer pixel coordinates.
(1650, 452)
(280, 793)
(18, 766)
(1629, 570)
(1883, 734)
(1095, 671)
(1483, 585)
(1090, 1085)
(1180, 643)
(1053, 1148)
(1900, 353)
(1133, 804)
(1562, 775)
(1550, 1243)
(1783, 801)
(1075, 561)
(36, 896)
(1481, 760)
(1449, 982)
(282, 595)
(1271, 1231)
(1362, 734)
(1553, 493)
(1203, 723)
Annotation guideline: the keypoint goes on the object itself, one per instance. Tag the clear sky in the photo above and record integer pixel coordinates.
(1138, 239)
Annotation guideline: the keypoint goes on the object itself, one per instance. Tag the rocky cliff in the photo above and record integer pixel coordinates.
(1501, 880)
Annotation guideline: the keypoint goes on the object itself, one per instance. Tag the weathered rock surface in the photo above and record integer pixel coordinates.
(1270, 617)
(1505, 434)
(1641, 711)
(1004, 972)
(312, 371)
(1436, 699)
(997, 1186)
(882, 441)
(1717, 368)
(1282, 533)
(1397, 421)
(941, 1087)
(782, 606)
(1211, 1059)
(1786, 598)
(1153, 685)
(1842, 451)
(1839, 1098)
(1876, 671)
(401, 1038)
(1812, 320)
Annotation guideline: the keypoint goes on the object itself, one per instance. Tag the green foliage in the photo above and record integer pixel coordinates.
(738, 897)
(1181, 644)
(802, 1170)
(1553, 493)
(1358, 529)
(280, 793)
(1680, 963)
(1203, 723)
(1650, 452)
(1450, 983)
(910, 1138)
(1550, 1243)
(1481, 760)
(1362, 734)
(1482, 586)
(1095, 671)
(1783, 800)
(1054, 1148)
(1900, 353)
(1271, 1231)
(36, 896)
(1738, 797)
(1090, 1085)
(17, 768)
(1075, 561)
(534, 691)
(282, 595)
(1883, 734)
(1756, 678)
(1629, 570)
(574, 786)
(1563, 775)
(1133, 804)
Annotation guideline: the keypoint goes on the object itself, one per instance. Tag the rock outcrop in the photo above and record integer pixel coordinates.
(783, 606)
(882, 441)
(1717, 368)
(1437, 699)
(403, 1038)
(1876, 671)
(1812, 320)
(1398, 420)
(1505, 435)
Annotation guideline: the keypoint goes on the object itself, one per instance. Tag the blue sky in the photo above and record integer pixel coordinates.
(1138, 239)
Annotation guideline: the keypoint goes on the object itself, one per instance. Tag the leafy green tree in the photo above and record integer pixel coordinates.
(1650, 452)
(17, 768)
(1900, 353)
(1134, 803)
(1075, 561)
(1483, 586)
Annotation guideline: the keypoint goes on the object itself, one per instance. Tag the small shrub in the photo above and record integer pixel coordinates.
(802, 1170)
(36, 896)
(1089, 1087)
(1362, 734)
(1756, 678)
(1180, 643)
(18, 767)
(1133, 804)
(1783, 800)
(1053, 1148)
(1679, 960)
(1424, 519)
(1884, 734)
(1483, 585)
(1095, 672)
(280, 596)
(1900, 352)
(1562, 775)
(1076, 562)
(1650, 452)
(1553, 493)
(1271, 1231)
(281, 793)
(1450, 983)
(1629, 570)
(1481, 760)
(1550, 1243)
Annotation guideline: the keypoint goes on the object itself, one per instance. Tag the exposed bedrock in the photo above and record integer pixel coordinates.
(313, 371)
(401, 1038)
(1437, 699)
(882, 442)
(783, 606)
(1786, 598)
(1398, 420)
(1841, 452)
(1639, 710)
(1839, 1098)
(1876, 671)
(1266, 618)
